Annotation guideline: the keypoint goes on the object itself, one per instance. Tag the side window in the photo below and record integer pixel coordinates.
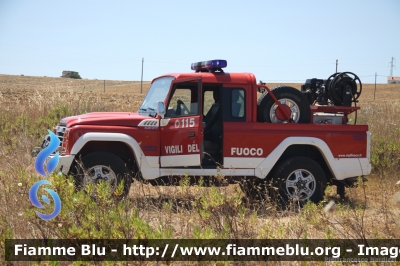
(238, 103)
(208, 101)
(183, 101)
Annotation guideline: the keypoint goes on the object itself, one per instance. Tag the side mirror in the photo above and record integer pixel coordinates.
(160, 109)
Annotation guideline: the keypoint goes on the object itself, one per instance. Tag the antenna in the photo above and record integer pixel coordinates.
(141, 79)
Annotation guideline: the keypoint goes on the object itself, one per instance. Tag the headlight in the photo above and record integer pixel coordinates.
(64, 148)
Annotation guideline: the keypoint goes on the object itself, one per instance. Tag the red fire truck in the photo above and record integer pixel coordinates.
(209, 123)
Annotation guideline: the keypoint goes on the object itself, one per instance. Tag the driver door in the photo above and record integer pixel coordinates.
(182, 133)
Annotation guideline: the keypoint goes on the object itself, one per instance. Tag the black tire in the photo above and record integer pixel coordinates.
(310, 184)
(295, 99)
(112, 169)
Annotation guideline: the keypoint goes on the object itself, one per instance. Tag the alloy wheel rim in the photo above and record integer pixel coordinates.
(100, 173)
(300, 184)
(294, 108)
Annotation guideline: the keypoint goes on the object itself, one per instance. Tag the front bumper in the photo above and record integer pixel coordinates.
(64, 163)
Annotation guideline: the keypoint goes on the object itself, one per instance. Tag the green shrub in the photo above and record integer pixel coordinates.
(83, 217)
(385, 152)
(75, 75)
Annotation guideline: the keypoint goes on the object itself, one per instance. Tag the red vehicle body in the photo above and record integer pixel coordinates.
(208, 123)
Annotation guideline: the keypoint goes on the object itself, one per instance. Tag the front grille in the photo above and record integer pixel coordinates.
(60, 130)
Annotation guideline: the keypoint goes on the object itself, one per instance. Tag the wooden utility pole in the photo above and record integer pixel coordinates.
(391, 66)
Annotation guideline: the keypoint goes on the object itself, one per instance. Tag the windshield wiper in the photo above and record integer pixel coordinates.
(143, 109)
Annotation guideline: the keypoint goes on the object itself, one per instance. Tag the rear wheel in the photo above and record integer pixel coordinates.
(104, 167)
(299, 179)
(292, 101)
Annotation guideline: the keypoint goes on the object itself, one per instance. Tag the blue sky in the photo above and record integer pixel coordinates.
(283, 41)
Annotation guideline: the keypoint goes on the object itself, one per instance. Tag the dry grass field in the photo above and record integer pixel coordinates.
(23, 89)
(31, 105)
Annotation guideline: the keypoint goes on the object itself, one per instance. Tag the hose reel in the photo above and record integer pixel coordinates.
(343, 89)
(340, 89)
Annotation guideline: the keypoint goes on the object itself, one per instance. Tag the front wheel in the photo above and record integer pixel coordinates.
(300, 179)
(104, 167)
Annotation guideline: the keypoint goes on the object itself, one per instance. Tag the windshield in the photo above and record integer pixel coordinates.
(157, 92)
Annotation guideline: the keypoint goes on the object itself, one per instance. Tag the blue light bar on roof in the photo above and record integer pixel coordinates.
(209, 65)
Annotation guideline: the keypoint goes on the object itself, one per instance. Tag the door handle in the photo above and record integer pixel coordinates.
(191, 134)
